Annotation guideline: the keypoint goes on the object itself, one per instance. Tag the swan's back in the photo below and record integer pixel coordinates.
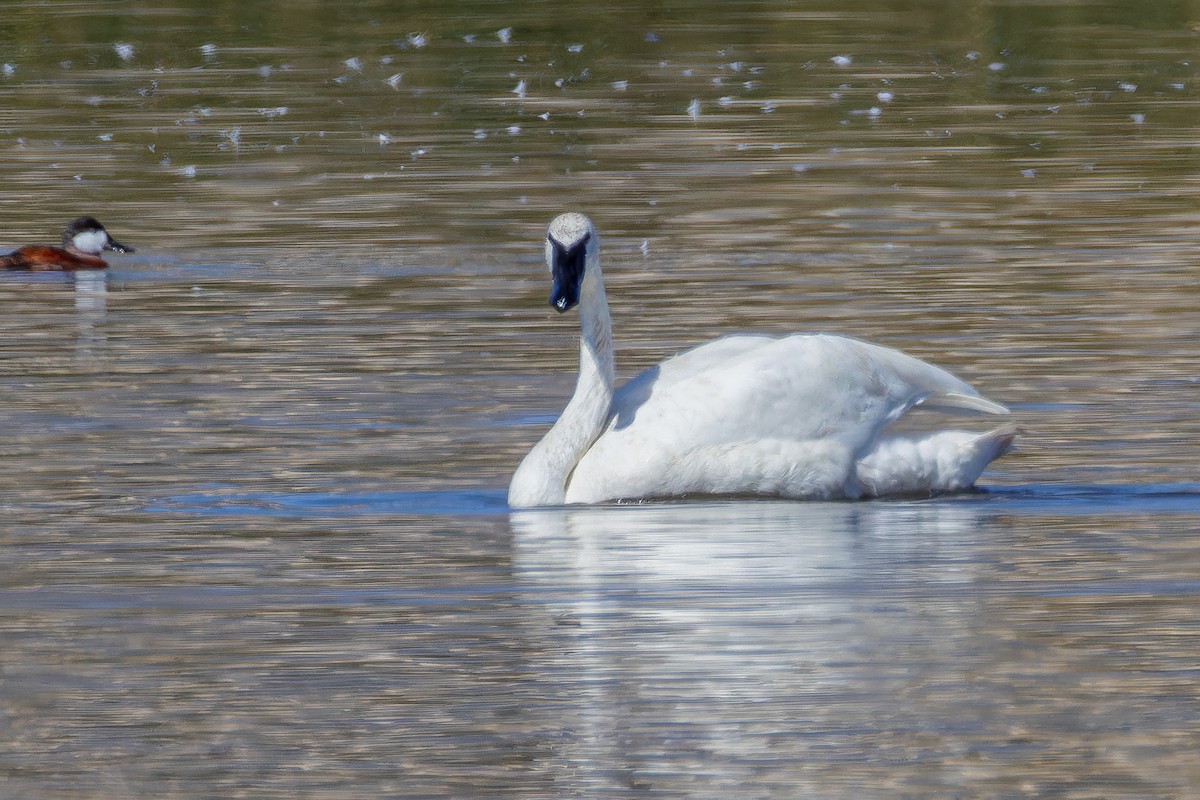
(759, 415)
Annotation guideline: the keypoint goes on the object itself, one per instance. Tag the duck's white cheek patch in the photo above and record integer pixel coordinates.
(90, 241)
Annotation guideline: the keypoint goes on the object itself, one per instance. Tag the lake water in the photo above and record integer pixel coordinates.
(252, 480)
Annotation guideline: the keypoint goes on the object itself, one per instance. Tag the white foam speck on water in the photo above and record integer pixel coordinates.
(1138, 119)
(997, 66)
(264, 71)
(1029, 173)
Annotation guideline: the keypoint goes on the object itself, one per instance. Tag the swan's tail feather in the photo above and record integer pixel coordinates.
(1004, 439)
(943, 461)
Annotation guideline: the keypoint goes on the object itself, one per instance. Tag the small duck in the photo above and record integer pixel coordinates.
(83, 242)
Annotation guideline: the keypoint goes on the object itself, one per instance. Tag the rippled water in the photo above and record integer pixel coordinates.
(252, 480)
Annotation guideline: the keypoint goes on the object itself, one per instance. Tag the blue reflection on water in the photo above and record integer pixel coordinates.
(337, 504)
(1153, 498)
(1163, 498)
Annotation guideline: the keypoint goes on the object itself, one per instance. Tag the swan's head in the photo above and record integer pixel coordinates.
(571, 244)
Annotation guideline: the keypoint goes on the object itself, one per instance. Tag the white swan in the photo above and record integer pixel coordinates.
(800, 416)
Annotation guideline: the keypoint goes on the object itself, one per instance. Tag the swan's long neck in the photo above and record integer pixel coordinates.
(542, 477)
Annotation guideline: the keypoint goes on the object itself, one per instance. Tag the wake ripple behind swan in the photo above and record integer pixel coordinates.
(799, 416)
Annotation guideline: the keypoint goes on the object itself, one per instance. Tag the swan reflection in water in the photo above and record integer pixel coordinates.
(739, 629)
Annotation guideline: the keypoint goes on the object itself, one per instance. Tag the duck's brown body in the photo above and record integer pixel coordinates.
(43, 257)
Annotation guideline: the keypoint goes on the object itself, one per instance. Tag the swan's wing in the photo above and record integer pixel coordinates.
(753, 405)
(741, 388)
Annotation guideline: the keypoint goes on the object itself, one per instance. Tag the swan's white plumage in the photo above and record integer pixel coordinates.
(801, 416)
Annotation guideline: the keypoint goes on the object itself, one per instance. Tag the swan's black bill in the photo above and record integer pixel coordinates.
(566, 269)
